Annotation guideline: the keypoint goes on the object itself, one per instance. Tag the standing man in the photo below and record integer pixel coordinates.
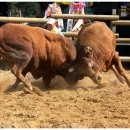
(54, 8)
(75, 8)
(51, 26)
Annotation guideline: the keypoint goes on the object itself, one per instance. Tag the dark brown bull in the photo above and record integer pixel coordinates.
(96, 53)
(36, 50)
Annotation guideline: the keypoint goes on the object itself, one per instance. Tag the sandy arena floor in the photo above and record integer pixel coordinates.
(84, 106)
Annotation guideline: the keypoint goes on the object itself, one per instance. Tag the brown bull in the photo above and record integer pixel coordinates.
(96, 53)
(36, 50)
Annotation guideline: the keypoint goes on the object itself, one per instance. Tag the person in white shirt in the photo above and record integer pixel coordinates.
(54, 8)
(52, 27)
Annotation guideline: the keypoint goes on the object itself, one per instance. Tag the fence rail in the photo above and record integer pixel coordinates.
(21, 19)
(74, 34)
(91, 17)
(121, 22)
(122, 40)
(125, 58)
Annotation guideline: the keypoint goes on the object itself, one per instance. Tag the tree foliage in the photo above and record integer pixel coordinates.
(12, 9)
(27, 9)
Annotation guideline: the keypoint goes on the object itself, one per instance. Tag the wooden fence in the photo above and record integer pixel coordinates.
(121, 23)
(122, 40)
(112, 18)
(22, 20)
(91, 17)
(100, 17)
(75, 34)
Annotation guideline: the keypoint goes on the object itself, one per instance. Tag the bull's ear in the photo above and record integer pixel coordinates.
(88, 51)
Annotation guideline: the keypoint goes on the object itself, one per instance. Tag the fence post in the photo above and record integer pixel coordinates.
(10, 14)
(20, 13)
(113, 27)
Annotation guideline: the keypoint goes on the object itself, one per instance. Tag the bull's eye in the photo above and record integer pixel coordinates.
(71, 69)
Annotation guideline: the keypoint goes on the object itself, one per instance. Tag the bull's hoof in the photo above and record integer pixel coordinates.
(34, 91)
(27, 91)
(37, 91)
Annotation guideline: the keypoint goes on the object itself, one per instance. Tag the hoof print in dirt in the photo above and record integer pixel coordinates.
(101, 85)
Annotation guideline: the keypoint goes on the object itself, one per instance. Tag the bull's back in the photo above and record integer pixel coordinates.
(97, 34)
(45, 44)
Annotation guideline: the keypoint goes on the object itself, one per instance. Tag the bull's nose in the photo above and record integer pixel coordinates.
(98, 78)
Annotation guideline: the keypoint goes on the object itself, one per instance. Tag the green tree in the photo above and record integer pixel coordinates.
(12, 9)
(29, 9)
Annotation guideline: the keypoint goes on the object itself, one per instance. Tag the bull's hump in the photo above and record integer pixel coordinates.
(14, 25)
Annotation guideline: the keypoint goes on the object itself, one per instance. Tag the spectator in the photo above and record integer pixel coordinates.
(52, 27)
(54, 8)
(74, 24)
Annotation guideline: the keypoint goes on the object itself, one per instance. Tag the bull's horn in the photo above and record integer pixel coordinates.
(91, 64)
(71, 69)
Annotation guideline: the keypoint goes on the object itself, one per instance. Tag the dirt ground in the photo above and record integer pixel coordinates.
(83, 106)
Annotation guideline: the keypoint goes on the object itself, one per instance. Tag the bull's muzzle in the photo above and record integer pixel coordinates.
(97, 78)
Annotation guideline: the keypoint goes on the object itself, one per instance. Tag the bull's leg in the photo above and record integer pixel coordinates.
(16, 83)
(47, 82)
(120, 68)
(120, 78)
(17, 71)
(19, 64)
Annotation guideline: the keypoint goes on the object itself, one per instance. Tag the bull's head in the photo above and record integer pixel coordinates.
(84, 66)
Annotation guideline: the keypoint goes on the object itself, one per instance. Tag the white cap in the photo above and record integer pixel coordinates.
(51, 21)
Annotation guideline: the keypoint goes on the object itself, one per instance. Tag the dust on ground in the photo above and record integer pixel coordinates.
(82, 106)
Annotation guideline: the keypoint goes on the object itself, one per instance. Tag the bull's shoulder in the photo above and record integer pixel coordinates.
(51, 36)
